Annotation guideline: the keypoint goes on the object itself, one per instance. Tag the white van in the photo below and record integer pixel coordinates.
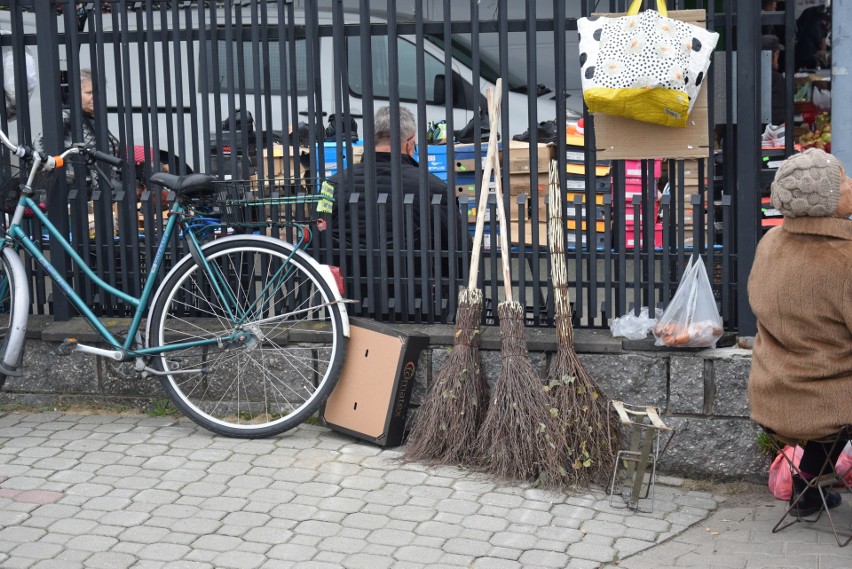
(174, 82)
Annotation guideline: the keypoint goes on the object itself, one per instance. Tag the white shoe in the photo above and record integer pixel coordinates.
(773, 136)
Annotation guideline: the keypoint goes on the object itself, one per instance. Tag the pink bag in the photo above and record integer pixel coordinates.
(781, 479)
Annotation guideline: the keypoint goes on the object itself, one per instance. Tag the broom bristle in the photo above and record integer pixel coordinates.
(448, 421)
(587, 434)
(516, 438)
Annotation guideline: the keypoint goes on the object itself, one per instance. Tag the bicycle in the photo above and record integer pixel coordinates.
(246, 333)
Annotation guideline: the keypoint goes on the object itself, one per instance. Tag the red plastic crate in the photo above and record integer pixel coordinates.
(629, 236)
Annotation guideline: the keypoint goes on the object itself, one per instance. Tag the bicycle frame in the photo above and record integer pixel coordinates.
(16, 238)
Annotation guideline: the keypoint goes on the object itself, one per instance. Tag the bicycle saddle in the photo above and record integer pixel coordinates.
(188, 186)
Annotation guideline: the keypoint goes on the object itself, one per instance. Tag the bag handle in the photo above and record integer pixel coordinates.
(661, 8)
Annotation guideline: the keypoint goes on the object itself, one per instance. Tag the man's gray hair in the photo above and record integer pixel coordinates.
(407, 126)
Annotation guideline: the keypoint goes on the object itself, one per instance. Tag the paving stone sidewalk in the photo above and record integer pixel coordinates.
(122, 491)
(739, 535)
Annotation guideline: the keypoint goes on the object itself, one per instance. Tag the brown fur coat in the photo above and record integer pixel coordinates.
(800, 289)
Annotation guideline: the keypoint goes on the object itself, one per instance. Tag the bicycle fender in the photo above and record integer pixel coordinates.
(13, 345)
(323, 270)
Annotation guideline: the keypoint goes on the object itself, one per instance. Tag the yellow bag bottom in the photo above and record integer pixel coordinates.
(659, 105)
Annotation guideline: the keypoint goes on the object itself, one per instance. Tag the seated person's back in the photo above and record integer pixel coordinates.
(411, 181)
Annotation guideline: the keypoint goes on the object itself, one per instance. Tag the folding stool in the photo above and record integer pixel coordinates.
(645, 450)
(830, 478)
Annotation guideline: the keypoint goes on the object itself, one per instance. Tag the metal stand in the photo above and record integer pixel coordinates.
(645, 450)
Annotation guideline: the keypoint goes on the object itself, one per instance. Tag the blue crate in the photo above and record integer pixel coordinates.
(330, 156)
(436, 163)
(436, 158)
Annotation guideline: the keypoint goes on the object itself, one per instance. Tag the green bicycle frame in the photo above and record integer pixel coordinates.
(17, 238)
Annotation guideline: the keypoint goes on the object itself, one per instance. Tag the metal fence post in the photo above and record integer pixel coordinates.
(53, 131)
(841, 82)
(747, 154)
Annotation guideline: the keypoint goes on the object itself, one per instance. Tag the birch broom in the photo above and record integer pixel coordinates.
(516, 440)
(588, 440)
(448, 421)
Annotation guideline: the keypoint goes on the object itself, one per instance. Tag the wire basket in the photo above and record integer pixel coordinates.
(12, 179)
(277, 202)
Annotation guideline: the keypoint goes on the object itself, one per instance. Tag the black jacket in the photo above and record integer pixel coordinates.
(410, 175)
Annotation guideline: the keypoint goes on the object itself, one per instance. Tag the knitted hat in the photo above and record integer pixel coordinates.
(807, 185)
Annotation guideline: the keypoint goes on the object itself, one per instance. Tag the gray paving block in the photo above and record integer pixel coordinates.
(540, 558)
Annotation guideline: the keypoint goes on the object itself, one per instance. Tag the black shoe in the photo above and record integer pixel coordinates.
(811, 503)
(545, 131)
(333, 128)
(466, 134)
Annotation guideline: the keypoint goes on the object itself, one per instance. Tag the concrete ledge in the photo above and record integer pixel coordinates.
(702, 393)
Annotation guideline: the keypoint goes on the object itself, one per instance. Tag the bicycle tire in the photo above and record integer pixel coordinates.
(289, 362)
(7, 291)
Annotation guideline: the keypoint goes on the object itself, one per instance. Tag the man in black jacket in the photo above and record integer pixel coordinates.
(425, 188)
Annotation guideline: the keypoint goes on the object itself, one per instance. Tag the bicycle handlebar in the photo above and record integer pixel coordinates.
(49, 162)
(108, 158)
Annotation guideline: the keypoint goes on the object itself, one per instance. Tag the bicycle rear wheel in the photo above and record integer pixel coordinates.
(284, 347)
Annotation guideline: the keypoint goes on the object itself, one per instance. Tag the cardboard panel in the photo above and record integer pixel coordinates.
(618, 138)
(370, 400)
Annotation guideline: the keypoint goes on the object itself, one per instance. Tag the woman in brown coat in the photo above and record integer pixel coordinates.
(800, 289)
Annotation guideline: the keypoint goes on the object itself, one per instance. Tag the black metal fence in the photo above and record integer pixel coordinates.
(248, 89)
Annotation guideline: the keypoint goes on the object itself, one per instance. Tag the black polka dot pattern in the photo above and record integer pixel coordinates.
(644, 51)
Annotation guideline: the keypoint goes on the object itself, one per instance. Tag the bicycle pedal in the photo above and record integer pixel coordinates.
(67, 347)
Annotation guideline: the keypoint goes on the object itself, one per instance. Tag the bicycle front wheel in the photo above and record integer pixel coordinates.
(279, 330)
(7, 302)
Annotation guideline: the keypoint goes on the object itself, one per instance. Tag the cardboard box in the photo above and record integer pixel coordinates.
(465, 157)
(621, 138)
(580, 169)
(581, 211)
(265, 188)
(470, 188)
(690, 172)
(571, 240)
(540, 208)
(520, 184)
(573, 196)
(575, 156)
(515, 239)
(296, 168)
(575, 183)
(688, 216)
(527, 238)
(514, 211)
(600, 226)
(520, 158)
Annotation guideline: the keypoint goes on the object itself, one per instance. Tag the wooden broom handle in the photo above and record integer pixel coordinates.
(483, 184)
(493, 116)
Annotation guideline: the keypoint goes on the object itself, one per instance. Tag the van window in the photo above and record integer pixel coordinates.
(407, 56)
(244, 71)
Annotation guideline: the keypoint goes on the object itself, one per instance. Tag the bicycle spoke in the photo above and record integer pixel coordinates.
(285, 347)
